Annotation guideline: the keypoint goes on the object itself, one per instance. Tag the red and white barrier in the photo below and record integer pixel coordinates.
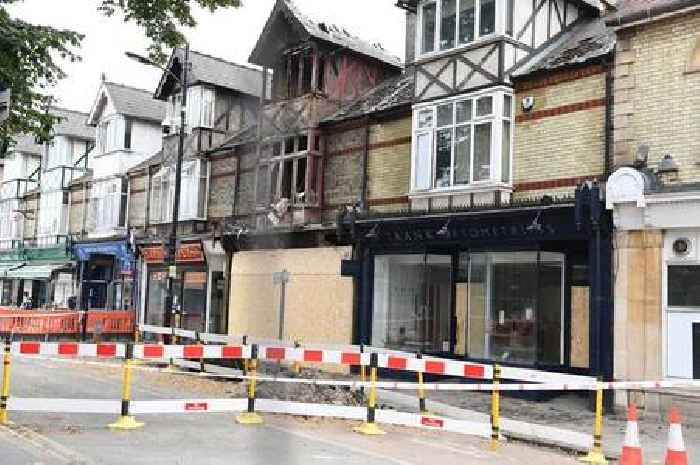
(68, 349)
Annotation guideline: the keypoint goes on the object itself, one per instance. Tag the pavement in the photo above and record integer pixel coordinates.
(206, 438)
(568, 412)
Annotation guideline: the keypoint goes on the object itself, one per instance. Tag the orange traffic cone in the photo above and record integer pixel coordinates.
(631, 449)
(675, 451)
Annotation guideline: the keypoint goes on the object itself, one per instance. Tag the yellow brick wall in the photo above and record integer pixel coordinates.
(657, 101)
(560, 146)
(319, 301)
(389, 168)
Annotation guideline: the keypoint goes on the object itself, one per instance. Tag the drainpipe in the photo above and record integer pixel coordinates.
(609, 66)
(365, 168)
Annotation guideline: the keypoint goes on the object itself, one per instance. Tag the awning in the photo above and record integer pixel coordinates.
(119, 249)
(40, 272)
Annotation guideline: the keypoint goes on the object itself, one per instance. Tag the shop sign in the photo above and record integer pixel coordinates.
(186, 253)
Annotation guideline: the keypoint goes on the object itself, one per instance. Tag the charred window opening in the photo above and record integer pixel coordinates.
(301, 179)
(303, 144)
(293, 73)
(307, 72)
(289, 145)
(287, 172)
(276, 149)
(321, 79)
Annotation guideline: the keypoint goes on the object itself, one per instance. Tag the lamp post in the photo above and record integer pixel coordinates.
(171, 259)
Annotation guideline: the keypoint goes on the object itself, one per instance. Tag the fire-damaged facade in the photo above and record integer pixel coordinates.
(451, 207)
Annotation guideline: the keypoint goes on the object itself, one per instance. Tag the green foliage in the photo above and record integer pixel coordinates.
(31, 54)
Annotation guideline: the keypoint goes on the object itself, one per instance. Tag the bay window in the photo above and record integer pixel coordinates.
(194, 187)
(460, 23)
(463, 141)
(107, 202)
(292, 173)
(12, 226)
(200, 111)
(53, 216)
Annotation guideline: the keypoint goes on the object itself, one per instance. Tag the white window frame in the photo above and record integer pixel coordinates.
(105, 203)
(497, 118)
(194, 186)
(499, 26)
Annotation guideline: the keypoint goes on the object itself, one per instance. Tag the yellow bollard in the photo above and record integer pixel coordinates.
(421, 391)
(127, 421)
(250, 417)
(495, 408)
(596, 455)
(363, 373)
(296, 366)
(5, 383)
(369, 427)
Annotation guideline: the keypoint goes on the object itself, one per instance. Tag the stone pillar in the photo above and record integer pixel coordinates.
(638, 309)
(625, 142)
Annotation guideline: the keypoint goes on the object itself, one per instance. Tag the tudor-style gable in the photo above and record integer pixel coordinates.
(461, 45)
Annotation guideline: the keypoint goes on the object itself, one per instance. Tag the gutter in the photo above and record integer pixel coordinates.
(365, 167)
(654, 13)
(609, 162)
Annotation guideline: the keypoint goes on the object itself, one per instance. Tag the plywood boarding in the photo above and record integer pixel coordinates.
(580, 300)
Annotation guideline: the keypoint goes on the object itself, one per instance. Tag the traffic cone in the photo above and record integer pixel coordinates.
(631, 449)
(675, 451)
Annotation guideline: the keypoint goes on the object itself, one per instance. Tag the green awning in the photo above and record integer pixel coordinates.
(40, 272)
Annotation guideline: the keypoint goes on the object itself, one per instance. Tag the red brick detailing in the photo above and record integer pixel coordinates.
(378, 145)
(388, 201)
(562, 110)
(554, 183)
(559, 77)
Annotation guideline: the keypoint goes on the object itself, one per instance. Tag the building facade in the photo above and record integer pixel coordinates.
(222, 99)
(127, 124)
(654, 193)
(41, 263)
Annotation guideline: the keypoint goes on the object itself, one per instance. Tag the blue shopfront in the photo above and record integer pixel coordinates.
(106, 275)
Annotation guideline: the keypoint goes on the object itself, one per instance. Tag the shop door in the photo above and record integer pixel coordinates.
(193, 287)
(412, 302)
(682, 321)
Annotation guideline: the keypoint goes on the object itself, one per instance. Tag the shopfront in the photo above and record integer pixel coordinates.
(198, 287)
(106, 275)
(520, 285)
(35, 273)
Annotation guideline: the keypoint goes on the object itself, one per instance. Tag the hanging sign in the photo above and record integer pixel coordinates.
(186, 253)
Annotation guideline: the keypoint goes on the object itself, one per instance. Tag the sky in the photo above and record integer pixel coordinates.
(229, 34)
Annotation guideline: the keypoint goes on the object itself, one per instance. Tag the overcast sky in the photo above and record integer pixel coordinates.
(229, 34)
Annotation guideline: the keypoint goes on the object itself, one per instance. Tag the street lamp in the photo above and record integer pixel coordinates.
(172, 240)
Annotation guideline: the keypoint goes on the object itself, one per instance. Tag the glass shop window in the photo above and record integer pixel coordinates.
(412, 302)
(684, 286)
(512, 305)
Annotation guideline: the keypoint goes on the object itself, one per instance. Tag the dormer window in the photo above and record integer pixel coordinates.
(461, 22)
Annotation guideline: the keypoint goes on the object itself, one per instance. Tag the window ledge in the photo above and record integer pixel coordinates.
(473, 189)
(478, 43)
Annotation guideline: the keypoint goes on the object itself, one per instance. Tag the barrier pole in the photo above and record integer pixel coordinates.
(296, 366)
(127, 421)
(369, 427)
(495, 408)
(421, 390)
(363, 373)
(250, 417)
(5, 383)
(198, 338)
(596, 455)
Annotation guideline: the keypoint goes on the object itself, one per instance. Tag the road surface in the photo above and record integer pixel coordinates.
(213, 439)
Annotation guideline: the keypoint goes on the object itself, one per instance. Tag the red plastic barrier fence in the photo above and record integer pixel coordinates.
(36, 323)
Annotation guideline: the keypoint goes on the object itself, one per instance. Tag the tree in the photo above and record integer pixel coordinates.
(31, 55)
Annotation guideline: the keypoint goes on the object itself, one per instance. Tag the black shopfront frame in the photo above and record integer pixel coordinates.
(583, 234)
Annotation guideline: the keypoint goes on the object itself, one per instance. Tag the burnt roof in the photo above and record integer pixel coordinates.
(155, 159)
(390, 94)
(588, 41)
(315, 29)
(631, 11)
